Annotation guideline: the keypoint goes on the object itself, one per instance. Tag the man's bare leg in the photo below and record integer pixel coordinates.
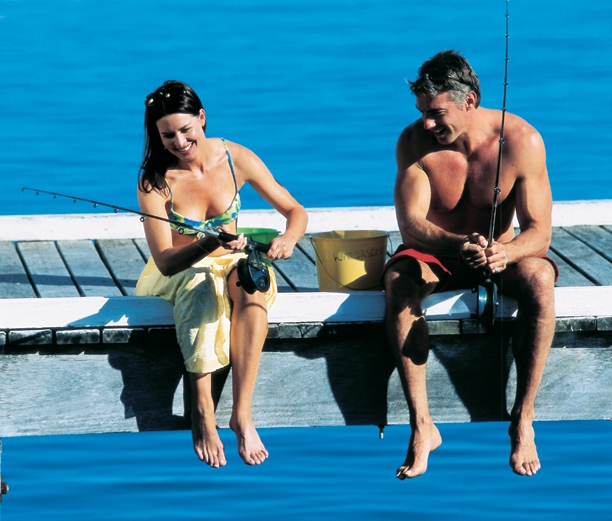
(407, 282)
(248, 333)
(533, 280)
(206, 442)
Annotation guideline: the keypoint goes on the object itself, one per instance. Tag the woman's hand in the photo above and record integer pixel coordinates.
(280, 248)
(237, 245)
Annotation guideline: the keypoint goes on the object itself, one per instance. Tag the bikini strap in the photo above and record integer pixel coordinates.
(231, 163)
(170, 190)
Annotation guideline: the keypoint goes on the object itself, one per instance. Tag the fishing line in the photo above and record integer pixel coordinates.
(253, 273)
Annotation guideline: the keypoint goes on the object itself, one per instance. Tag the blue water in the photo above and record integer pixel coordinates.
(317, 90)
(339, 473)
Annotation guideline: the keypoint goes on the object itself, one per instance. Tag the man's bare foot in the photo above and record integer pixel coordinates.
(206, 442)
(250, 447)
(423, 440)
(523, 454)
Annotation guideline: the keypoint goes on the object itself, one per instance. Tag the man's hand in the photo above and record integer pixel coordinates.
(497, 257)
(472, 251)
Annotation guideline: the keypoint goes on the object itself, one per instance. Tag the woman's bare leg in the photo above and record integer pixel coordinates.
(206, 441)
(247, 335)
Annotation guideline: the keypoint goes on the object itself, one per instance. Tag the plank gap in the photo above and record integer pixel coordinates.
(285, 277)
(575, 266)
(27, 270)
(69, 269)
(109, 267)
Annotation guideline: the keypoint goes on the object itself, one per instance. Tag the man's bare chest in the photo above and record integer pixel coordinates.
(458, 182)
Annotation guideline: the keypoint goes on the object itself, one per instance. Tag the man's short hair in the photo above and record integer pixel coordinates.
(450, 72)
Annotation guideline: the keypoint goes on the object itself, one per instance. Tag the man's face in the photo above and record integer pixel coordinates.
(442, 117)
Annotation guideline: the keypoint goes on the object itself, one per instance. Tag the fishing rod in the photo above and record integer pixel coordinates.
(490, 308)
(253, 273)
(502, 141)
(225, 237)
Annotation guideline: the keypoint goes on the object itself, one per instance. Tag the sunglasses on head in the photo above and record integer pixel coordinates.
(163, 93)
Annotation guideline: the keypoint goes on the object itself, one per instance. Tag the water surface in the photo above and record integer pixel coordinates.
(313, 473)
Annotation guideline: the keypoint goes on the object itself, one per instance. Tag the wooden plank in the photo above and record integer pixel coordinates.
(84, 312)
(575, 385)
(14, 282)
(583, 301)
(87, 268)
(282, 285)
(305, 245)
(142, 245)
(331, 382)
(596, 237)
(568, 275)
(103, 391)
(299, 269)
(124, 261)
(584, 259)
(395, 239)
(315, 307)
(47, 269)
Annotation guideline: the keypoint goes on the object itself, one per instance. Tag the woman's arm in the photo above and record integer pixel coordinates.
(250, 169)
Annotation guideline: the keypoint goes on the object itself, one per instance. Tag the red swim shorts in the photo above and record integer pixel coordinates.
(450, 269)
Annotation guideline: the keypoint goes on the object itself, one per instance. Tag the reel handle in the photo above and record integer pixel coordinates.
(253, 245)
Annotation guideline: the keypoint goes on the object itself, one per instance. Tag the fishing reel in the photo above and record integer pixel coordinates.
(487, 301)
(253, 273)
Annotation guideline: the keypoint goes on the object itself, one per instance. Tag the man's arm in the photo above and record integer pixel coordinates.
(412, 195)
(532, 193)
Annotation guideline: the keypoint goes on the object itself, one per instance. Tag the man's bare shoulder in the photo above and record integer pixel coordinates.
(521, 135)
(414, 142)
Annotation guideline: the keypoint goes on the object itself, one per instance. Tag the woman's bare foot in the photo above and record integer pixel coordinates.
(206, 442)
(523, 454)
(423, 440)
(250, 447)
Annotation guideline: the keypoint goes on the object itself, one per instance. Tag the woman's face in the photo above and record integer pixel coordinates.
(181, 133)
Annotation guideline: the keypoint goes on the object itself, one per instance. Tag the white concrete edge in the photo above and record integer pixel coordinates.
(367, 306)
(128, 226)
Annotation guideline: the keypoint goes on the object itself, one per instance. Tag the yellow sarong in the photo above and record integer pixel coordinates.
(202, 308)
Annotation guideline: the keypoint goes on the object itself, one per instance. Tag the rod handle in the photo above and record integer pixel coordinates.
(253, 245)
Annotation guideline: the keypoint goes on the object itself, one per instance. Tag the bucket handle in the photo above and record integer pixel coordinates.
(337, 281)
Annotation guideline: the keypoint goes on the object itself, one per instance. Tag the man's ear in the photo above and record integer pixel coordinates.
(470, 101)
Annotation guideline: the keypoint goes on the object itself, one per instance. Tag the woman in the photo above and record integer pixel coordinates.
(184, 173)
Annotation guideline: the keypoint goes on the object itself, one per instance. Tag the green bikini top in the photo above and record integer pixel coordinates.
(178, 221)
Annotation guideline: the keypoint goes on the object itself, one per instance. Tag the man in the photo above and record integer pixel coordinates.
(447, 163)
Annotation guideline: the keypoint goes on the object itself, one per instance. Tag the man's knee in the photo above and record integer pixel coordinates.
(407, 283)
(402, 277)
(533, 278)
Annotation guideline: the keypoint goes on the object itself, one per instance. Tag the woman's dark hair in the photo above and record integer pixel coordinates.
(173, 97)
(450, 72)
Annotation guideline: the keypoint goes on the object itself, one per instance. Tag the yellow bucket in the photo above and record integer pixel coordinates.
(350, 260)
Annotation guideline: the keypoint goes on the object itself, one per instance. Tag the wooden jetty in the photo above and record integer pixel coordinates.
(79, 353)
